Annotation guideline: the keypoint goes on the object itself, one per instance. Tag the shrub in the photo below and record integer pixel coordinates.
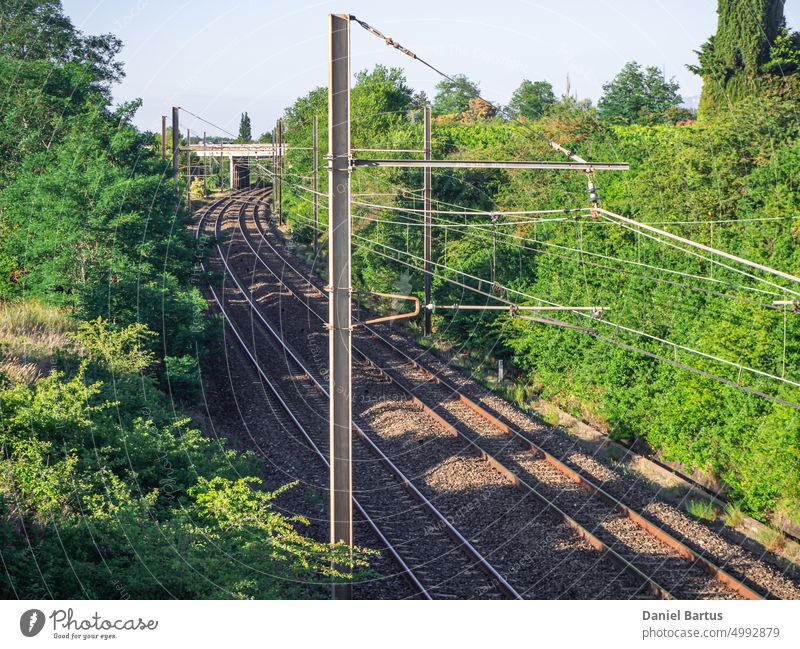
(702, 509)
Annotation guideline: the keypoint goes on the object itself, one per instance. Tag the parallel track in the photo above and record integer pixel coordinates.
(543, 531)
(551, 481)
(439, 569)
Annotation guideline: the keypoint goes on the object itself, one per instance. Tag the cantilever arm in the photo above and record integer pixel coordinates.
(398, 316)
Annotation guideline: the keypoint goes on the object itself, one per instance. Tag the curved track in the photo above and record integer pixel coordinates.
(511, 528)
(648, 555)
(446, 565)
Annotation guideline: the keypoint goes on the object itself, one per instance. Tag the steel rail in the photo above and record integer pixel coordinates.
(627, 566)
(462, 543)
(407, 572)
(681, 548)
(653, 586)
(643, 522)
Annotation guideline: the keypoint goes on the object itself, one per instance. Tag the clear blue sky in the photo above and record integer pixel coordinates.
(219, 58)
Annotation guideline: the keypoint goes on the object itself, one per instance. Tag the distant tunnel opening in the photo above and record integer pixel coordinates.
(240, 177)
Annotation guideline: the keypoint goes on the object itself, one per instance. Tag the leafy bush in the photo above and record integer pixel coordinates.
(140, 503)
(106, 490)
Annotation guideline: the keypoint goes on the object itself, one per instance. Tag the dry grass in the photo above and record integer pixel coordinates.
(31, 334)
(31, 319)
(20, 372)
(771, 538)
(733, 515)
(787, 516)
(550, 415)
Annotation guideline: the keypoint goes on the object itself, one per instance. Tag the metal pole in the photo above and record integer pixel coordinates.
(315, 186)
(163, 137)
(176, 139)
(494, 250)
(188, 172)
(230, 181)
(280, 171)
(339, 273)
(274, 174)
(205, 166)
(427, 243)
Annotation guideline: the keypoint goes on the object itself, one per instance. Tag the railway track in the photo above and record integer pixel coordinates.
(445, 565)
(762, 572)
(636, 537)
(565, 561)
(662, 563)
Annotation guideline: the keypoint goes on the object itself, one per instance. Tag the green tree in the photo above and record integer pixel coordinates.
(784, 54)
(532, 99)
(453, 96)
(245, 131)
(95, 449)
(38, 29)
(638, 95)
(731, 60)
(51, 72)
(381, 91)
(381, 97)
(92, 225)
(746, 31)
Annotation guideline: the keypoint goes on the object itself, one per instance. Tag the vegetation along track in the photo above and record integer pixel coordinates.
(668, 566)
(444, 565)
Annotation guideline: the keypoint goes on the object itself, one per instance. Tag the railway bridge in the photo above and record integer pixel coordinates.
(238, 156)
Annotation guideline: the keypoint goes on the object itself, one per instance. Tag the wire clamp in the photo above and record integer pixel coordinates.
(328, 327)
(794, 305)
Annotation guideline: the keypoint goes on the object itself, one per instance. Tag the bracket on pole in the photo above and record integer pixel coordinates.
(494, 164)
(794, 304)
(398, 316)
